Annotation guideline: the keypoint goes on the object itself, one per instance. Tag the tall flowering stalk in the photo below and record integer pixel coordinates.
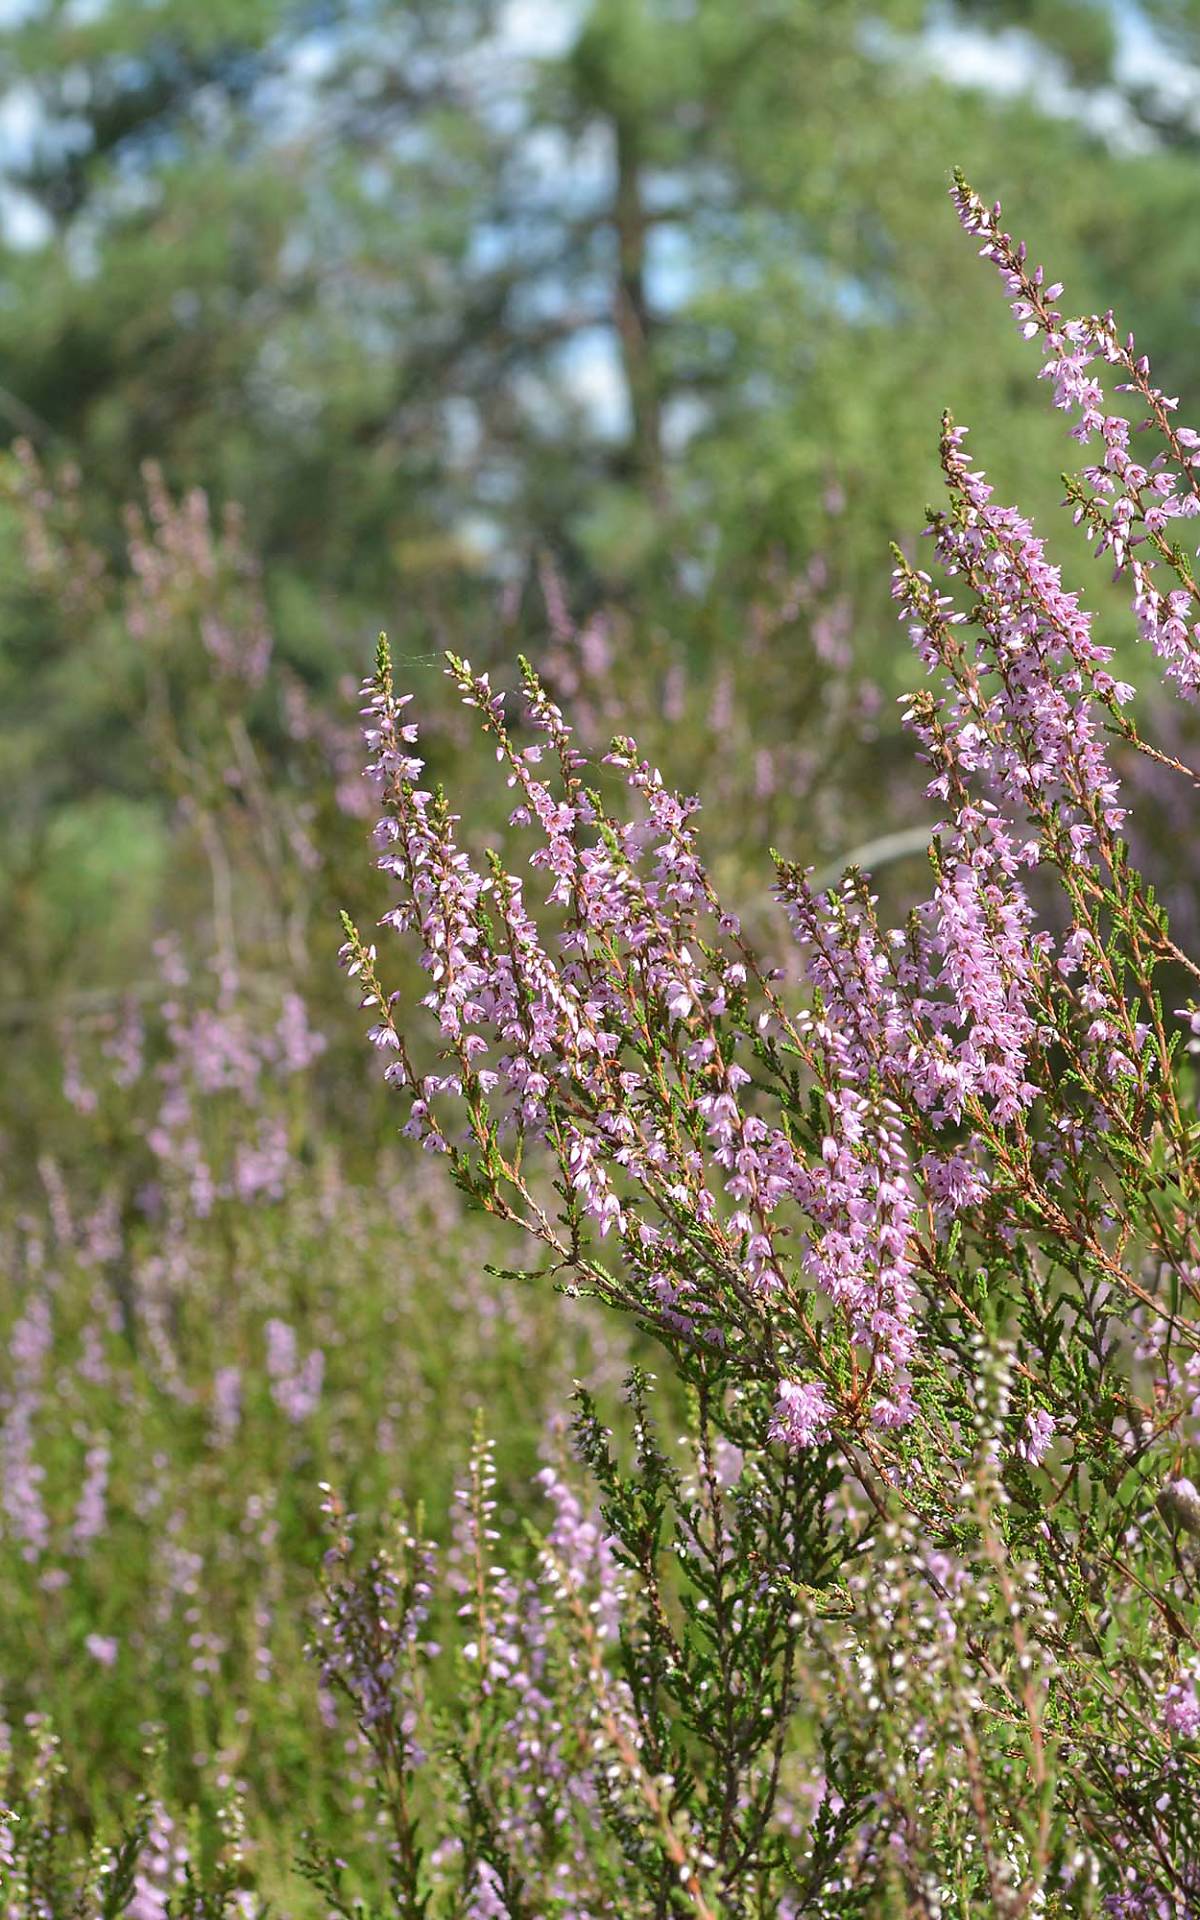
(370, 1648)
(1128, 504)
(975, 1129)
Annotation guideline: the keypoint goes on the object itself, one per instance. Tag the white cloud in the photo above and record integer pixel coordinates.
(593, 374)
(538, 29)
(1012, 62)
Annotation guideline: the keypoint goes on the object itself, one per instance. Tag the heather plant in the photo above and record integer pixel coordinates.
(173, 1388)
(152, 1871)
(882, 1598)
(922, 1236)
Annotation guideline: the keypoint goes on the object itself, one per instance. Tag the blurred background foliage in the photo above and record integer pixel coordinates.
(656, 299)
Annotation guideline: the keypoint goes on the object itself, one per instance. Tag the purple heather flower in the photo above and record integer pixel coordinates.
(1181, 1704)
(1039, 1430)
(802, 1414)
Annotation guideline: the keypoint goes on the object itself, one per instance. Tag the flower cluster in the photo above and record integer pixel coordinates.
(1129, 504)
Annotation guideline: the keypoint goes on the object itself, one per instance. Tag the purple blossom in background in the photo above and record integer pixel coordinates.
(1181, 1704)
(22, 1473)
(91, 1514)
(262, 1167)
(227, 1402)
(299, 1044)
(295, 1383)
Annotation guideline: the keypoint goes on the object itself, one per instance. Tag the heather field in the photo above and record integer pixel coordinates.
(600, 1192)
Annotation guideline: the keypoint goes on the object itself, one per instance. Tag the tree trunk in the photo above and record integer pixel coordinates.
(633, 318)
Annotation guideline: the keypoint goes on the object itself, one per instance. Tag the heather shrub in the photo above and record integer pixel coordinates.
(925, 1228)
(879, 1594)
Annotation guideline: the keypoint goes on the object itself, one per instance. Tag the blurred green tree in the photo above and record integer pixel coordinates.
(409, 286)
(435, 286)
